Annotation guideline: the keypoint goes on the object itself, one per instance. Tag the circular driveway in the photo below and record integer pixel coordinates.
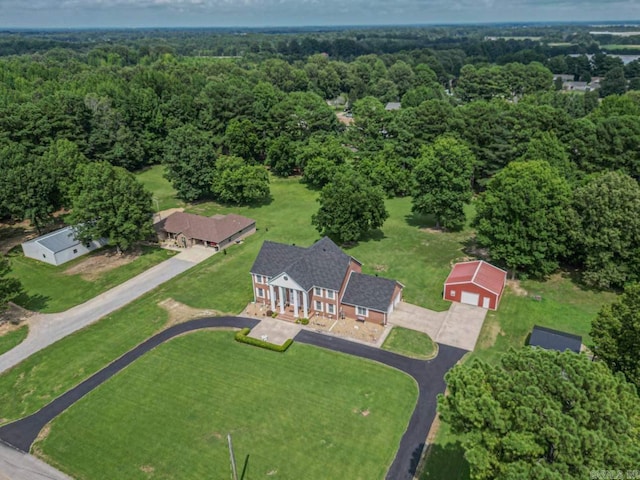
(428, 374)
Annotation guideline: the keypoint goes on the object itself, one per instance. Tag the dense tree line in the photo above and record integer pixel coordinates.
(217, 123)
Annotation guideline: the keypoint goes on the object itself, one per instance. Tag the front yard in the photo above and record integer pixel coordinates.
(308, 413)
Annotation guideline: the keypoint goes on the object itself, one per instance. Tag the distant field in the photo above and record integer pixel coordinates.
(620, 47)
(306, 414)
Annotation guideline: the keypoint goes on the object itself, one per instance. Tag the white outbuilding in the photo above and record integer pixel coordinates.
(59, 247)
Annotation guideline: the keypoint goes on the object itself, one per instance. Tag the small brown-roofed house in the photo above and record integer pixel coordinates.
(475, 283)
(219, 231)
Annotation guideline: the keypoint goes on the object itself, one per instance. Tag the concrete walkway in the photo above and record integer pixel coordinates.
(457, 327)
(46, 329)
(275, 331)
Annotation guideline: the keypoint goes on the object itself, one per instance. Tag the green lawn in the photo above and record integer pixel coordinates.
(163, 192)
(13, 338)
(47, 288)
(410, 343)
(620, 47)
(308, 413)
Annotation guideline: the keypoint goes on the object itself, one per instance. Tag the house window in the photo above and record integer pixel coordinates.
(260, 292)
(331, 308)
(75, 250)
(259, 279)
(452, 293)
(331, 294)
(361, 311)
(317, 291)
(318, 306)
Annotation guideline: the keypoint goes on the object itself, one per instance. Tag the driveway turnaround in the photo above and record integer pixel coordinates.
(46, 329)
(457, 327)
(428, 374)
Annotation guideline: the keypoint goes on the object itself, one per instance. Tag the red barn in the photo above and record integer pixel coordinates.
(475, 283)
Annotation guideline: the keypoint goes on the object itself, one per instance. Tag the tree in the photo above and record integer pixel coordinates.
(542, 415)
(616, 334)
(190, 162)
(546, 146)
(237, 182)
(282, 156)
(349, 208)
(608, 229)
(9, 287)
(524, 216)
(442, 182)
(109, 202)
(614, 82)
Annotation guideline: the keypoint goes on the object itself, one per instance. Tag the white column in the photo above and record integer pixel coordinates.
(272, 296)
(282, 299)
(305, 306)
(295, 303)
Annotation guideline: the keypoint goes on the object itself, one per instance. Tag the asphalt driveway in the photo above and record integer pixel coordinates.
(46, 329)
(429, 376)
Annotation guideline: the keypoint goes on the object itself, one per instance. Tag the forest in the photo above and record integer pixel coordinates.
(446, 115)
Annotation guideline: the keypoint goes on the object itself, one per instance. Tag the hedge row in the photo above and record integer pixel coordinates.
(241, 336)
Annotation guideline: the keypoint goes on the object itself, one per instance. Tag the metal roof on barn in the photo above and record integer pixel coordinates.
(479, 273)
(58, 241)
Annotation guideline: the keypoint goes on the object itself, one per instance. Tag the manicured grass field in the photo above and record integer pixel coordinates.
(410, 343)
(48, 289)
(163, 192)
(308, 413)
(13, 338)
(402, 249)
(620, 47)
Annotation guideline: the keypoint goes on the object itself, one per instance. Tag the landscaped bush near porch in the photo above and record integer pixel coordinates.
(242, 337)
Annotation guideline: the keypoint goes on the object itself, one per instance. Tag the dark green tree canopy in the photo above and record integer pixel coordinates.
(442, 182)
(239, 183)
(616, 334)
(350, 207)
(190, 160)
(109, 202)
(524, 217)
(542, 415)
(608, 231)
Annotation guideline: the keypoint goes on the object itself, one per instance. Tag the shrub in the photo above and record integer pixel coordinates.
(270, 313)
(242, 337)
(303, 321)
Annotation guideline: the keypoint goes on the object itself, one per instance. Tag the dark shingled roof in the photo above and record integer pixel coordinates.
(374, 293)
(550, 339)
(274, 258)
(321, 265)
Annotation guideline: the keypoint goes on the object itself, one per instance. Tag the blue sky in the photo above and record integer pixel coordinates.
(214, 13)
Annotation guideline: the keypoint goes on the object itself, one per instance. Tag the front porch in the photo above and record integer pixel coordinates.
(350, 328)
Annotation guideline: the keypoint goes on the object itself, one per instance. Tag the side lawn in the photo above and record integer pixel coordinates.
(48, 289)
(13, 338)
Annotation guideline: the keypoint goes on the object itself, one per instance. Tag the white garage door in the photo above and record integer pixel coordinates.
(470, 298)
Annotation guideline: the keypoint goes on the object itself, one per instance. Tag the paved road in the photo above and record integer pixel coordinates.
(46, 329)
(428, 374)
(16, 465)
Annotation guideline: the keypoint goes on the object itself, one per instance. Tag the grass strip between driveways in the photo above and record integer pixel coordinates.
(306, 413)
(410, 343)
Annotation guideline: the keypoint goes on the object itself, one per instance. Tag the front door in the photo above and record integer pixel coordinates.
(486, 301)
